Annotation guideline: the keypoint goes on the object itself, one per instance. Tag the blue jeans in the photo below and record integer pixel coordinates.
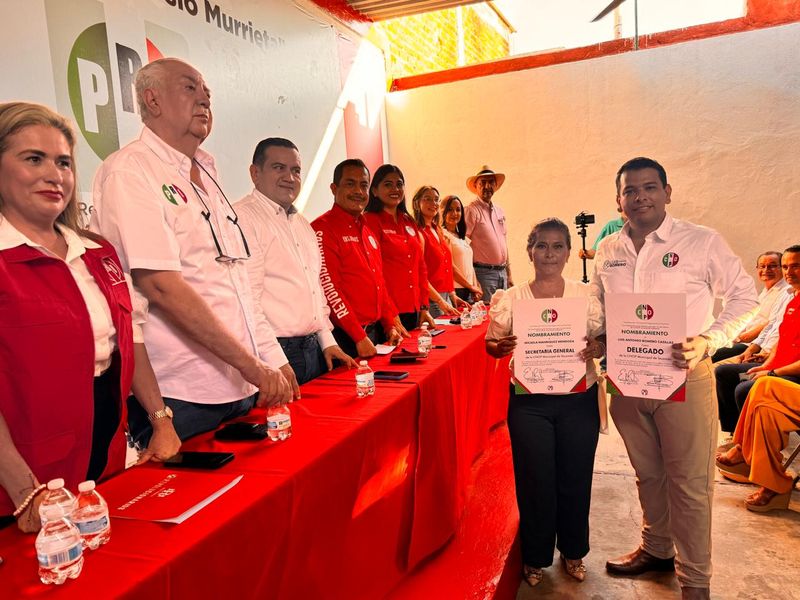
(491, 280)
(434, 309)
(305, 356)
(189, 418)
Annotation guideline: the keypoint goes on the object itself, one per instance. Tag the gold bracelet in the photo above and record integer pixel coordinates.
(21, 508)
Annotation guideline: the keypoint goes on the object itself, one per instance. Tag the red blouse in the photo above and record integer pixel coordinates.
(438, 260)
(404, 267)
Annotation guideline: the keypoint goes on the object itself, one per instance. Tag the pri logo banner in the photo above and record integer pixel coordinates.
(96, 83)
(670, 259)
(644, 312)
(549, 315)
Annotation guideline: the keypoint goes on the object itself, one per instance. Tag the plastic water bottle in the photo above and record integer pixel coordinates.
(279, 423)
(59, 547)
(475, 313)
(425, 340)
(466, 319)
(59, 497)
(91, 516)
(365, 380)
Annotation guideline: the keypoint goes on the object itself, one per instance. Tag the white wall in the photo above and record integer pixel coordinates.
(722, 115)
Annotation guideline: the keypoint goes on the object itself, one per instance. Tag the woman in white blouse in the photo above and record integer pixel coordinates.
(553, 437)
(455, 231)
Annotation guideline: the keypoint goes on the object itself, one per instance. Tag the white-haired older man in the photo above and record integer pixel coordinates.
(159, 202)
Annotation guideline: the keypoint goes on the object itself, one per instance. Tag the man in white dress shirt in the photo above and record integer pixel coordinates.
(285, 263)
(671, 444)
(157, 200)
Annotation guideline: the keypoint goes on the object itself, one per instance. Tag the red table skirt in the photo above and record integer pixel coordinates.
(363, 491)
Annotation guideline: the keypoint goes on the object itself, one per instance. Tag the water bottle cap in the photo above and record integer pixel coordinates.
(86, 486)
(362, 363)
(55, 484)
(424, 325)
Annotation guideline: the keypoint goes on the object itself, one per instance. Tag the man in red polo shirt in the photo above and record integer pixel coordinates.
(352, 271)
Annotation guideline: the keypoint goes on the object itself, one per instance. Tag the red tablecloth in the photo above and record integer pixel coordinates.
(363, 491)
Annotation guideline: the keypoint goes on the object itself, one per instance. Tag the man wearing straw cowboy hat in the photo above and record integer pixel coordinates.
(486, 227)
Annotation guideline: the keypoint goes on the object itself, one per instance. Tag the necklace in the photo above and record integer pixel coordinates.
(551, 291)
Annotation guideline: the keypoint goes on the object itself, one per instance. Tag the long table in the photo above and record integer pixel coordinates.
(364, 491)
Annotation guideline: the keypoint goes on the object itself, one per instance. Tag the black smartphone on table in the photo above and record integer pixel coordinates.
(391, 375)
(235, 432)
(199, 460)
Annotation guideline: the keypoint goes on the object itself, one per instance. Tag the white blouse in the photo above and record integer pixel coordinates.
(501, 310)
(461, 249)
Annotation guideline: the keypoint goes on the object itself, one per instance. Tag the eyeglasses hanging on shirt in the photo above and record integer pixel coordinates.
(222, 256)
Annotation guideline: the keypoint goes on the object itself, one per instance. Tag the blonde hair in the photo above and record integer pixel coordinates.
(16, 116)
(415, 204)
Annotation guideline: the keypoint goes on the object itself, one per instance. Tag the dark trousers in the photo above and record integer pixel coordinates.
(732, 392)
(374, 332)
(189, 418)
(106, 421)
(464, 294)
(305, 356)
(410, 320)
(730, 352)
(553, 442)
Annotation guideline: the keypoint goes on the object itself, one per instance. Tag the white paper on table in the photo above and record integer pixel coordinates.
(200, 505)
(384, 349)
(550, 334)
(640, 331)
(442, 321)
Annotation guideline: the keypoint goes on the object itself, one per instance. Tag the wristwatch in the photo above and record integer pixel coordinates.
(423, 307)
(164, 413)
(772, 373)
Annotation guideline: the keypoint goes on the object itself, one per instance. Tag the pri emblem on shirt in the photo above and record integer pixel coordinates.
(670, 259)
(115, 274)
(172, 190)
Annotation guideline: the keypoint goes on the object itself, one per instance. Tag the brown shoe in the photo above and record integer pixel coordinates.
(639, 561)
(693, 593)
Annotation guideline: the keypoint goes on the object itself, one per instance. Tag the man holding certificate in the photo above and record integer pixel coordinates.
(671, 441)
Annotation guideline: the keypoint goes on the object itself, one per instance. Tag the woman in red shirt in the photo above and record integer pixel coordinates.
(437, 254)
(401, 246)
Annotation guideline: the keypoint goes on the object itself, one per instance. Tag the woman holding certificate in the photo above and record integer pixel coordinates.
(553, 436)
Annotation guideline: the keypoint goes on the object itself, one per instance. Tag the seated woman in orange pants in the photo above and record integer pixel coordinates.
(770, 413)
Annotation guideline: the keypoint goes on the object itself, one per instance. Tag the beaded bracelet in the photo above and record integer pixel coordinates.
(21, 508)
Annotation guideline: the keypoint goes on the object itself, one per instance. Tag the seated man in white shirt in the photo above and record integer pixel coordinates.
(158, 201)
(285, 263)
(768, 270)
(671, 444)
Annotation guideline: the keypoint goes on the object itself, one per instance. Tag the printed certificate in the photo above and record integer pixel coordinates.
(640, 331)
(549, 334)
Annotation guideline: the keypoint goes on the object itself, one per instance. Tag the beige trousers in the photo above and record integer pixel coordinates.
(671, 447)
